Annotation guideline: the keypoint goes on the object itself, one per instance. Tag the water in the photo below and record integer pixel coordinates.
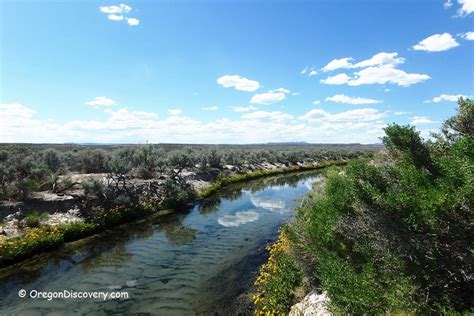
(202, 261)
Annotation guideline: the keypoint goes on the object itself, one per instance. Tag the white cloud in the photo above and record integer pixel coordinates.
(468, 36)
(362, 115)
(448, 4)
(305, 69)
(244, 108)
(115, 17)
(312, 73)
(267, 98)
(386, 74)
(275, 116)
(13, 110)
(133, 21)
(175, 111)
(467, 7)
(316, 102)
(334, 64)
(101, 101)
(118, 13)
(381, 58)
(295, 93)
(210, 108)
(336, 80)
(379, 69)
(418, 120)
(115, 9)
(267, 203)
(340, 98)
(401, 113)
(19, 123)
(281, 90)
(446, 97)
(238, 82)
(238, 219)
(436, 43)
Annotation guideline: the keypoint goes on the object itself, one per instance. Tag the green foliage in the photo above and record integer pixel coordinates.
(240, 177)
(93, 187)
(34, 218)
(387, 237)
(34, 241)
(277, 280)
(43, 238)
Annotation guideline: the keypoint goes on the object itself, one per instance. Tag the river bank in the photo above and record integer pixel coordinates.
(34, 240)
(199, 261)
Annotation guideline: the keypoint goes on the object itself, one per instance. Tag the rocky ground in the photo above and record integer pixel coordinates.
(313, 304)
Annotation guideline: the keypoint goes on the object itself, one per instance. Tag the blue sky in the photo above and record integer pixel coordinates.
(230, 71)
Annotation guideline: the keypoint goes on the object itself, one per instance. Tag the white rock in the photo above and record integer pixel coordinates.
(313, 304)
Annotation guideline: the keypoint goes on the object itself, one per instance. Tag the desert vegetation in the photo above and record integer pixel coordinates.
(389, 234)
(115, 184)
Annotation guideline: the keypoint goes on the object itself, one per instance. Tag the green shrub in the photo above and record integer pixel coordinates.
(397, 237)
(35, 218)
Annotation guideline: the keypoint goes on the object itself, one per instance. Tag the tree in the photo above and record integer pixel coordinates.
(462, 124)
(406, 142)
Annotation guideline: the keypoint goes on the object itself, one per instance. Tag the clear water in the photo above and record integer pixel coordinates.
(202, 261)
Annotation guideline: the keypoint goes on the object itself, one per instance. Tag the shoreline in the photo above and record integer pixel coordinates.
(49, 238)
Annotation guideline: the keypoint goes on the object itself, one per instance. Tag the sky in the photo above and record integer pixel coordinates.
(230, 71)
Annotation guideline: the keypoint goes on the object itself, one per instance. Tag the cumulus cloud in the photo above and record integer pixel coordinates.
(316, 102)
(133, 21)
(360, 115)
(101, 101)
(305, 69)
(341, 98)
(267, 98)
(468, 36)
(386, 74)
(239, 83)
(381, 59)
(401, 113)
(376, 60)
(115, 17)
(379, 69)
(20, 123)
(175, 111)
(336, 80)
(467, 7)
(244, 108)
(312, 73)
(210, 108)
(418, 120)
(115, 9)
(238, 219)
(14, 110)
(119, 13)
(344, 63)
(436, 43)
(275, 116)
(446, 97)
(281, 90)
(448, 4)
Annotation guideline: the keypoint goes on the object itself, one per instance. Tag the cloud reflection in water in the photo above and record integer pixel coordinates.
(238, 219)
